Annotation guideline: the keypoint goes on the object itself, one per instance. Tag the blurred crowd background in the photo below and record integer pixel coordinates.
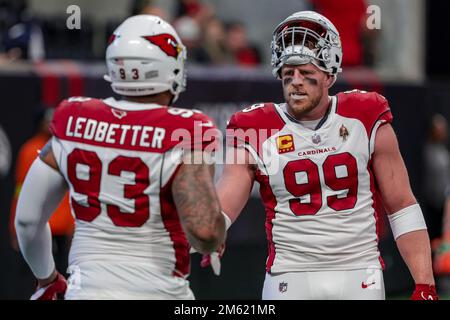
(42, 61)
(218, 32)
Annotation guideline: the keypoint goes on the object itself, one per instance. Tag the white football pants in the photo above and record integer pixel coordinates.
(98, 280)
(361, 284)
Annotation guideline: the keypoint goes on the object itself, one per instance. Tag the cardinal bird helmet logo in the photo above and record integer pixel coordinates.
(167, 43)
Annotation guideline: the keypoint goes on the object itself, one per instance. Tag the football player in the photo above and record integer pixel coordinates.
(321, 161)
(138, 197)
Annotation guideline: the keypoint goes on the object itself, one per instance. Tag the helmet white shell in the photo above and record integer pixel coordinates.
(145, 56)
(306, 37)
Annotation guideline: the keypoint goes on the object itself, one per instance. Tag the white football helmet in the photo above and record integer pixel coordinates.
(306, 37)
(145, 56)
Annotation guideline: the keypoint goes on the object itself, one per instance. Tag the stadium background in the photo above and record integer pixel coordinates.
(408, 65)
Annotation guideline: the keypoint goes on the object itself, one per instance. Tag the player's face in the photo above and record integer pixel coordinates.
(304, 87)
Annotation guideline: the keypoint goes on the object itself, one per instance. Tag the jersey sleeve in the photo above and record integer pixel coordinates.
(235, 134)
(252, 126)
(60, 116)
(370, 108)
(198, 132)
(58, 127)
(383, 116)
(206, 134)
(381, 109)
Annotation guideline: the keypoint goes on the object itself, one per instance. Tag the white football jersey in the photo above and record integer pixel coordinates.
(119, 159)
(317, 186)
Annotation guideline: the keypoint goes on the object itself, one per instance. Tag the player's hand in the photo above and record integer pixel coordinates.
(213, 259)
(424, 292)
(51, 291)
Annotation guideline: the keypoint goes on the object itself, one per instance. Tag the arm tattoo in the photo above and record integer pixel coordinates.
(197, 202)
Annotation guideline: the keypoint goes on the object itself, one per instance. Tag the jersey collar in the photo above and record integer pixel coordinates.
(129, 105)
(289, 120)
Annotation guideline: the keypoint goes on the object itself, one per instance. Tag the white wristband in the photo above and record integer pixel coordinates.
(227, 220)
(407, 220)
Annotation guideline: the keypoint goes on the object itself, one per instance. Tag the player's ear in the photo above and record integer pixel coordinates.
(329, 80)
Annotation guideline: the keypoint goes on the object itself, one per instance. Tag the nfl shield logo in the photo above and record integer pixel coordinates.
(316, 138)
(282, 287)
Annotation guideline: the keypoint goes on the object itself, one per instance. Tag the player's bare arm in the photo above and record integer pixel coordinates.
(236, 182)
(390, 170)
(393, 181)
(198, 206)
(233, 189)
